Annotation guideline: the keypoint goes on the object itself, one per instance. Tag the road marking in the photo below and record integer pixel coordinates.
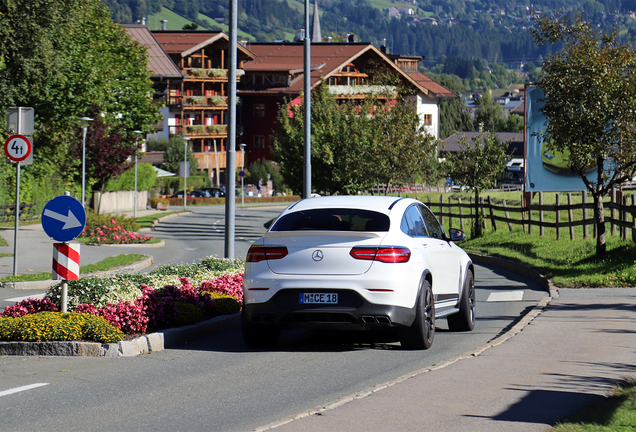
(505, 296)
(21, 389)
(19, 299)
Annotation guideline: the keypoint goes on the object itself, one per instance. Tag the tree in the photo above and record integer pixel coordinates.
(260, 170)
(453, 113)
(61, 57)
(355, 145)
(492, 117)
(477, 166)
(590, 106)
(173, 153)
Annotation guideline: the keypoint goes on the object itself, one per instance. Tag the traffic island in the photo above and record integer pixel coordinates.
(145, 344)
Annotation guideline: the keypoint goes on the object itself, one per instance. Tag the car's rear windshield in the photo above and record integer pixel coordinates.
(333, 220)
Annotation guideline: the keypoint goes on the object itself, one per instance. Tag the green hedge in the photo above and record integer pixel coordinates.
(57, 326)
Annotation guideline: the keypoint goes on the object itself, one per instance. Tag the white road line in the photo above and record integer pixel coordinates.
(21, 389)
(19, 299)
(505, 296)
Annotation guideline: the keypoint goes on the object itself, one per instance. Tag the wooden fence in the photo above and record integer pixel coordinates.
(619, 213)
(27, 212)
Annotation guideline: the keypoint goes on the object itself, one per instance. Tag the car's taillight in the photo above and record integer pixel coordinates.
(389, 254)
(260, 253)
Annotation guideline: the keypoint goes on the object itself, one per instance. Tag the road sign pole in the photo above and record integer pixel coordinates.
(17, 220)
(64, 296)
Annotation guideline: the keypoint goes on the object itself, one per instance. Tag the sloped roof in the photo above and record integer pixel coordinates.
(159, 62)
(186, 42)
(515, 147)
(432, 86)
(326, 59)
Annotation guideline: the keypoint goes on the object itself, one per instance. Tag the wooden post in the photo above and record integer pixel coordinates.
(585, 230)
(523, 216)
(613, 213)
(507, 216)
(633, 221)
(492, 213)
(450, 213)
(541, 228)
(570, 216)
(558, 216)
(483, 212)
(461, 214)
(529, 203)
(625, 218)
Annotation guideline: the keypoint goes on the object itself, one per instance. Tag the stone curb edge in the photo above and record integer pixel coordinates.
(46, 284)
(141, 345)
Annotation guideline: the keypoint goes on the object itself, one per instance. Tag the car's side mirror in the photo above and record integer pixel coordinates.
(456, 235)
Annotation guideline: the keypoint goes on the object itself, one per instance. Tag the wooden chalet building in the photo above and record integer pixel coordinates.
(277, 75)
(198, 104)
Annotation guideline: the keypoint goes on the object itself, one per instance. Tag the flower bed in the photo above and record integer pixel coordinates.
(111, 229)
(169, 296)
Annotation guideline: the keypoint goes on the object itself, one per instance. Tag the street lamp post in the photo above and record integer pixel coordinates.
(186, 171)
(84, 121)
(242, 174)
(137, 132)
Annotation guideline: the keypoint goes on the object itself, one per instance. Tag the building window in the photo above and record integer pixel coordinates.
(428, 119)
(259, 110)
(259, 142)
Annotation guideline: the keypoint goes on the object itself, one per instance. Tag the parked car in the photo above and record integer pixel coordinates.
(360, 263)
(213, 192)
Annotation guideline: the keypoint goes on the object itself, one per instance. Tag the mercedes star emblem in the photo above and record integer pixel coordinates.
(317, 255)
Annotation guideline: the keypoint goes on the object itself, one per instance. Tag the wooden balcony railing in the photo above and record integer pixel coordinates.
(200, 131)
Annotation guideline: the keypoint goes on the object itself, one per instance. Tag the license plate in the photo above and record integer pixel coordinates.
(322, 298)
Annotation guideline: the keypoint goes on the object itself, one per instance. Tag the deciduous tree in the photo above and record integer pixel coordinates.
(477, 166)
(590, 105)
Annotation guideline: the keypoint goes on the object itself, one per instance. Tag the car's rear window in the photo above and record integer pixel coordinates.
(333, 220)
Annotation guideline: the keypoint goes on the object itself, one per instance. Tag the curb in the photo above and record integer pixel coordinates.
(46, 284)
(142, 345)
(132, 245)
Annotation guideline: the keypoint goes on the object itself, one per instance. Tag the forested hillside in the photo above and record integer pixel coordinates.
(495, 31)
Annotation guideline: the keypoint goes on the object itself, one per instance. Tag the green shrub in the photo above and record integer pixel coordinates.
(146, 178)
(56, 326)
(99, 291)
(188, 314)
(155, 201)
(224, 304)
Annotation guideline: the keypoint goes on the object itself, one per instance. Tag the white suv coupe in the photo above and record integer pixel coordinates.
(357, 262)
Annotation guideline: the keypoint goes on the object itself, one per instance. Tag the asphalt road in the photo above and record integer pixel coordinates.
(219, 384)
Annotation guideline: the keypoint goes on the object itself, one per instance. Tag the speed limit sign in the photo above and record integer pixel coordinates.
(17, 148)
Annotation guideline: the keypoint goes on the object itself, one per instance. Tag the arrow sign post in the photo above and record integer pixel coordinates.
(63, 219)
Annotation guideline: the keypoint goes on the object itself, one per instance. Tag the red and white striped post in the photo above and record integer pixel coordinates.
(66, 266)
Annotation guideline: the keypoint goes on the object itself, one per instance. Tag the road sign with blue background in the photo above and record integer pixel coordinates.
(63, 218)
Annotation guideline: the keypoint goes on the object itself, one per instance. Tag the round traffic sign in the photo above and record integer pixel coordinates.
(242, 173)
(17, 148)
(63, 218)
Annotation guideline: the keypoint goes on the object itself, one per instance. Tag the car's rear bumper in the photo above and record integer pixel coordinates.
(352, 312)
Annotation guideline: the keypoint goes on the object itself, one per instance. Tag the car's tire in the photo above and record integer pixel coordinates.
(421, 333)
(259, 335)
(464, 320)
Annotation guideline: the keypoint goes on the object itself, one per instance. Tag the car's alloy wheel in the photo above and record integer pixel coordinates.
(464, 320)
(259, 335)
(421, 333)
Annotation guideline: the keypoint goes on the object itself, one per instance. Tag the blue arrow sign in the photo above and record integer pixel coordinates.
(63, 218)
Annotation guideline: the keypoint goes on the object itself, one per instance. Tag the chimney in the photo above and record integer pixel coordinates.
(143, 20)
(326, 38)
(383, 47)
(352, 38)
(300, 36)
(164, 24)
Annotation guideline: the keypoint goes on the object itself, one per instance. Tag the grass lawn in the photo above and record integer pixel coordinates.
(106, 264)
(616, 413)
